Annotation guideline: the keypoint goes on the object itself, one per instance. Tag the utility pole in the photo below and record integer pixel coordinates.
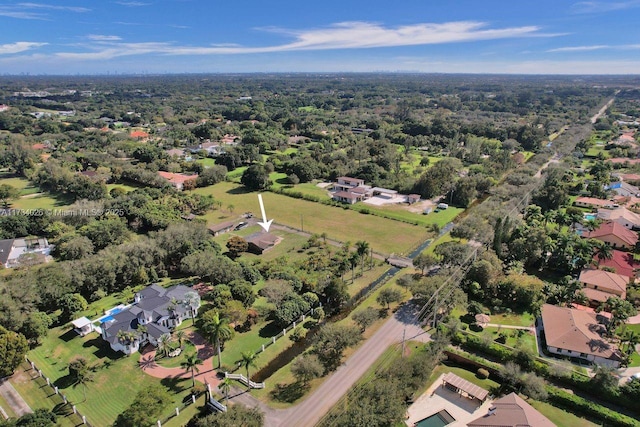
(404, 331)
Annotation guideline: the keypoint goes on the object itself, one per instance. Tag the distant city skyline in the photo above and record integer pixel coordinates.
(244, 36)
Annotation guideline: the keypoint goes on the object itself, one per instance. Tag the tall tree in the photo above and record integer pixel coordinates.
(13, 347)
(190, 364)
(216, 329)
(248, 358)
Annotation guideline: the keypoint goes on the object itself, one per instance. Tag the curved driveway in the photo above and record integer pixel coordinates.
(206, 375)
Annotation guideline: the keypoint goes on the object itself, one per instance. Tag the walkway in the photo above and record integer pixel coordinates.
(13, 398)
(206, 352)
(318, 403)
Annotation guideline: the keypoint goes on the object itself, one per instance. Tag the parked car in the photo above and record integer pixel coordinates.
(241, 225)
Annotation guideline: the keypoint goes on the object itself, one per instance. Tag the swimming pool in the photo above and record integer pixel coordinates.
(439, 419)
(590, 216)
(106, 319)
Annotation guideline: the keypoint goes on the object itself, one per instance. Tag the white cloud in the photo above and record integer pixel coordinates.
(103, 38)
(18, 47)
(594, 47)
(132, 3)
(579, 48)
(52, 7)
(345, 35)
(603, 6)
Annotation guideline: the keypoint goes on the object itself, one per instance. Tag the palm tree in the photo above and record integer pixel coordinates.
(362, 248)
(164, 344)
(225, 386)
(592, 224)
(82, 374)
(190, 364)
(216, 328)
(632, 339)
(180, 337)
(248, 359)
(603, 251)
(191, 300)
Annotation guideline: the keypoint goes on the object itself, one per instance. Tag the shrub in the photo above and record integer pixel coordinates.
(483, 374)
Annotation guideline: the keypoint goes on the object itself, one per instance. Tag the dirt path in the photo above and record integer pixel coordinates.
(316, 405)
(206, 352)
(13, 398)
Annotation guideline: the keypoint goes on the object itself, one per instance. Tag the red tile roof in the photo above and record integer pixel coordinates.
(613, 228)
(139, 134)
(622, 262)
(604, 280)
(176, 177)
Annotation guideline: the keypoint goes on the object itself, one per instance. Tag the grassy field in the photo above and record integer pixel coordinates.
(340, 224)
(125, 187)
(559, 417)
(23, 185)
(41, 201)
(117, 378)
(515, 338)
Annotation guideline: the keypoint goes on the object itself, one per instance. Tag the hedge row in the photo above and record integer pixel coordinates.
(575, 380)
(579, 405)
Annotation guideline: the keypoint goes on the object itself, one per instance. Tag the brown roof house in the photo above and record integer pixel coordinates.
(261, 242)
(600, 285)
(178, 179)
(221, 228)
(511, 411)
(577, 333)
(622, 216)
(615, 234)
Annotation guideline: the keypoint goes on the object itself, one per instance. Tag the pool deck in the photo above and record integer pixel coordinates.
(437, 398)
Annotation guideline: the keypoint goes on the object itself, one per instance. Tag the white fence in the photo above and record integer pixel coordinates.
(244, 380)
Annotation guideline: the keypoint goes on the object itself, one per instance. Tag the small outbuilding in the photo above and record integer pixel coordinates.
(82, 326)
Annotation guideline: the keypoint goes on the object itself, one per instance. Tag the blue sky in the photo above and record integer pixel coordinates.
(193, 36)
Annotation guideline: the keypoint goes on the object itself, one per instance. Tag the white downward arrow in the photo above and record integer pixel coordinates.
(264, 224)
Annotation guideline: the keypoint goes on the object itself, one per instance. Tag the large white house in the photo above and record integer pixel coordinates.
(155, 312)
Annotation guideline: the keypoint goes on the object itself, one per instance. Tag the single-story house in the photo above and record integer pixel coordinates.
(178, 152)
(622, 262)
(82, 326)
(347, 197)
(622, 216)
(155, 312)
(592, 202)
(14, 251)
(177, 179)
(624, 189)
(623, 160)
(600, 285)
(221, 228)
(577, 333)
(511, 411)
(261, 242)
(615, 234)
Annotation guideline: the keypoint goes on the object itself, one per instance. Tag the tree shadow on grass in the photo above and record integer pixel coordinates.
(289, 393)
(269, 330)
(240, 190)
(102, 349)
(69, 335)
(176, 384)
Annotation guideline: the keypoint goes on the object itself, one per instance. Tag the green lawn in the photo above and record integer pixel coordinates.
(42, 201)
(236, 174)
(23, 185)
(340, 224)
(207, 162)
(515, 338)
(125, 187)
(515, 319)
(174, 362)
(117, 378)
(560, 417)
(7, 409)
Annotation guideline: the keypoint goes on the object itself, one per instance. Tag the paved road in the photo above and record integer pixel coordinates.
(17, 403)
(311, 410)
